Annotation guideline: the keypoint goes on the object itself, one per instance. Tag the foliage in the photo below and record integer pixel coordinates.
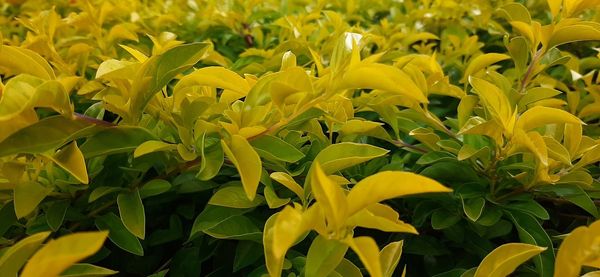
(251, 138)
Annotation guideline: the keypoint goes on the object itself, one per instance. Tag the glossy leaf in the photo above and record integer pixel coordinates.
(247, 162)
(58, 255)
(506, 258)
(17, 255)
(387, 185)
(131, 210)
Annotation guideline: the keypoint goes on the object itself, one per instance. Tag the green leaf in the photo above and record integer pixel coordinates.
(115, 140)
(212, 216)
(530, 206)
(154, 187)
(323, 256)
(435, 156)
(247, 162)
(237, 227)
(7, 217)
(442, 219)
(211, 159)
(234, 197)
(87, 270)
(58, 255)
(506, 258)
(102, 191)
(343, 155)
(246, 253)
(530, 231)
(347, 269)
(56, 213)
(473, 207)
(575, 195)
(118, 234)
(274, 148)
(46, 134)
(27, 196)
(17, 255)
(158, 71)
(131, 210)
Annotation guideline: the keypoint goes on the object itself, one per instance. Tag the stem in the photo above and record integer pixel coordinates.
(527, 75)
(409, 146)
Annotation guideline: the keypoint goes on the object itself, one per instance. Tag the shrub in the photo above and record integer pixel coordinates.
(299, 138)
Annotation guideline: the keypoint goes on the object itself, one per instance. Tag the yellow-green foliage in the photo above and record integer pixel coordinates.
(269, 138)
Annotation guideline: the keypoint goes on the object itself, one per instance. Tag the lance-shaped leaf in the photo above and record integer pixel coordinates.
(343, 155)
(387, 185)
(158, 71)
(71, 159)
(330, 197)
(16, 60)
(382, 77)
(390, 256)
(28, 196)
(323, 256)
(215, 77)
(539, 116)
(247, 162)
(494, 100)
(17, 255)
(46, 134)
(577, 250)
(506, 258)
(482, 61)
(58, 255)
(131, 210)
(368, 252)
(281, 232)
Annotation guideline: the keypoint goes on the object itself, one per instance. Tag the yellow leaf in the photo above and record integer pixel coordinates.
(531, 141)
(282, 230)
(27, 196)
(368, 252)
(570, 31)
(330, 197)
(289, 182)
(539, 116)
(247, 162)
(573, 7)
(380, 217)
(389, 184)
(503, 260)
(382, 77)
(572, 138)
(577, 249)
(216, 77)
(525, 29)
(71, 160)
(15, 60)
(390, 256)
(482, 61)
(151, 147)
(554, 7)
(494, 100)
(15, 257)
(58, 255)
(139, 56)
